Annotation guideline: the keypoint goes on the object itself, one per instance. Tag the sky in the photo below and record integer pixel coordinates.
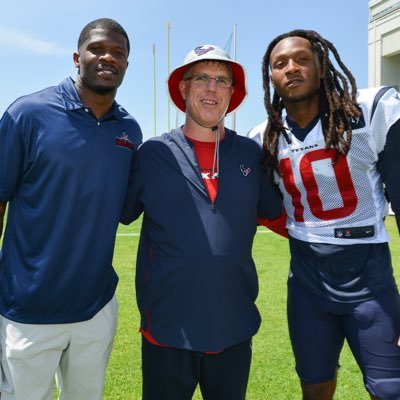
(38, 38)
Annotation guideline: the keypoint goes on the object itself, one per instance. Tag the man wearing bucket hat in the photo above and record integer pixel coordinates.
(200, 189)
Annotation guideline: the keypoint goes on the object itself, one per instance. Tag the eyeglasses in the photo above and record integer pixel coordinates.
(204, 80)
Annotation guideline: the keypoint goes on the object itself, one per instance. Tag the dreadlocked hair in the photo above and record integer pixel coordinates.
(337, 106)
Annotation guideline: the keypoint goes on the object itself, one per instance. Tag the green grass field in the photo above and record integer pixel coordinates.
(272, 375)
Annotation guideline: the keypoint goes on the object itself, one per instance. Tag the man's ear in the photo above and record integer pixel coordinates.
(182, 89)
(76, 59)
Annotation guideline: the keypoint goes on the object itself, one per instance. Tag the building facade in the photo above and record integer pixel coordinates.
(384, 43)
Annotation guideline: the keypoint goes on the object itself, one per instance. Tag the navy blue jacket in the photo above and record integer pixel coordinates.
(196, 281)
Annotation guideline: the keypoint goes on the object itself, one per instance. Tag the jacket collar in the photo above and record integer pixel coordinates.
(225, 143)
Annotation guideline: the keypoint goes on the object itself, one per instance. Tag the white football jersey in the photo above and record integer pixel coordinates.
(342, 202)
(257, 133)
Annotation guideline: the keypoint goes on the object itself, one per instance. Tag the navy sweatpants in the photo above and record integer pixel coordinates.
(173, 374)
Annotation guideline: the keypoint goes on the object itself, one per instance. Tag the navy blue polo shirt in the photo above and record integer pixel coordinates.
(64, 174)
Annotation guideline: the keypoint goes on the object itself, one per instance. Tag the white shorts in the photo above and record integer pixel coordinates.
(77, 353)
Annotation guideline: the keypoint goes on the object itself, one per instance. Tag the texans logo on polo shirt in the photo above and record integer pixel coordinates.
(124, 141)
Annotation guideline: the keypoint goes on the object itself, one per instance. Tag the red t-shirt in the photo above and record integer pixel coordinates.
(205, 157)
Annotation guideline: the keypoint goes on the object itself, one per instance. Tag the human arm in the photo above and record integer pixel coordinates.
(3, 207)
(13, 161)
(276, 225)
(271, 213)
(389, 167)
(132, 207)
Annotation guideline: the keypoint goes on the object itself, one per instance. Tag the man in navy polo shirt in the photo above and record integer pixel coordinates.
(65, 158)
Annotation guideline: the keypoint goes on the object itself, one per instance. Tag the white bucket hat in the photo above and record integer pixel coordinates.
(202, 53)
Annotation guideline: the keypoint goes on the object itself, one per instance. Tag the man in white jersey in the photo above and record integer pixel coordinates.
(333, 151)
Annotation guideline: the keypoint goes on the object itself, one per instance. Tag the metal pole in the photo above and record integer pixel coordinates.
(155, 91)
(168, 29)
(234, 57)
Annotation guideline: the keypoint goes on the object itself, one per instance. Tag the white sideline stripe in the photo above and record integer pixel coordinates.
(137, 234)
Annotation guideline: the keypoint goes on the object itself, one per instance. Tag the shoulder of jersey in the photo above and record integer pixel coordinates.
(257, 132)
(368, 93)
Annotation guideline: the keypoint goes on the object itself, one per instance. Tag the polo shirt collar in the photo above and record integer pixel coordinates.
(72, 100)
